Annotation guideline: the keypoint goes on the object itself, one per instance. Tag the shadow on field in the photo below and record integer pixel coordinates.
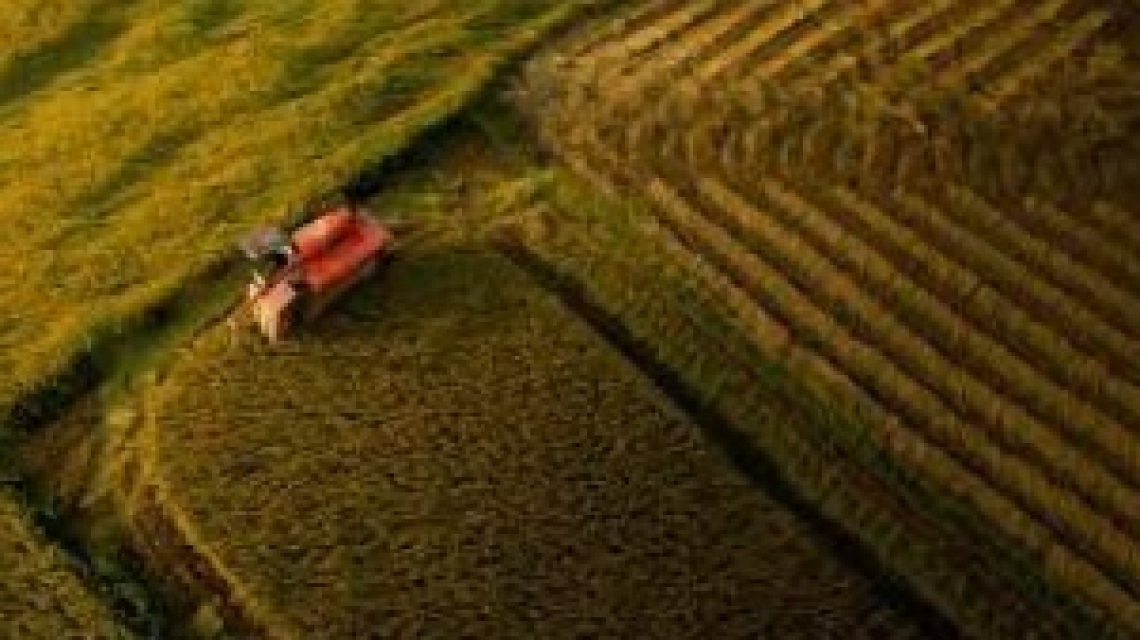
(37, 69)
(737, 447)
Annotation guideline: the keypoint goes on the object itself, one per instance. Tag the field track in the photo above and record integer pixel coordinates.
(992, 339)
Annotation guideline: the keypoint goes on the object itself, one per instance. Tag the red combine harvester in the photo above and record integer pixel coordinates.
(310, 270)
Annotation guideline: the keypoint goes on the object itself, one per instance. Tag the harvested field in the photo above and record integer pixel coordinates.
(958, 277)
(454, 453)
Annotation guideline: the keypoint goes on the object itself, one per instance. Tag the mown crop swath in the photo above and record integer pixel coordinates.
(951, 299)
(682, 325)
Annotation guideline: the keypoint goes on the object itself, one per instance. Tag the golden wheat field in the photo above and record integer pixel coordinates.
(706, 318)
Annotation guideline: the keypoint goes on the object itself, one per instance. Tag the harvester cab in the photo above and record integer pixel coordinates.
(296, 277)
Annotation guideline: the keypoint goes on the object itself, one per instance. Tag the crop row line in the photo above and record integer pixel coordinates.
(643, 306)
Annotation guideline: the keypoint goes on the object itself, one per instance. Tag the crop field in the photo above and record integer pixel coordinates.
(688, 319)
(456, 454)
(139, 139)
(714, 318)
(928, 210)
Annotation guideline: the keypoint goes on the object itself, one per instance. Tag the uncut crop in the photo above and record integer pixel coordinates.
(40, 596)
(926, 211)
(453, 453)
(139, 140)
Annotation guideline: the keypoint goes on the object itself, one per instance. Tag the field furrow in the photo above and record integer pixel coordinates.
(617, 55)
(959, 291)
(858, 38)
(1005, 39)
(1055, 507)
(802, 52)
(962, 388)
(1068, 40)
(781, 19)
(1037, 339)
(1110, 254)
(1115, 222)
(617, 30)
(877, 47)
(957, 32)
(1067, 259)
(928, 457)
(692, 46)
(1029, 289)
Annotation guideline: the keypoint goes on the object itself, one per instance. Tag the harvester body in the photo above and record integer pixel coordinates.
(321, 261)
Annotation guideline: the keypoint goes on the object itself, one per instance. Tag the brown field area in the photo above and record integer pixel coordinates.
(711, 318)
(464, 458)
(928, 209)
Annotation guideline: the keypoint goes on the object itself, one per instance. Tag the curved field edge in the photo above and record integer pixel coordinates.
(986, 584)
(41, 597)
(43, 377)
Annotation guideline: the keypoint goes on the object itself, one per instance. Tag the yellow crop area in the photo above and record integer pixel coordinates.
(455, 453)
(139, 140)
(704, 318)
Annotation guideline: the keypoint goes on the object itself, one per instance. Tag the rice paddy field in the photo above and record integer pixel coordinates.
(768, 318)
(140, 140)
(458, 455)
